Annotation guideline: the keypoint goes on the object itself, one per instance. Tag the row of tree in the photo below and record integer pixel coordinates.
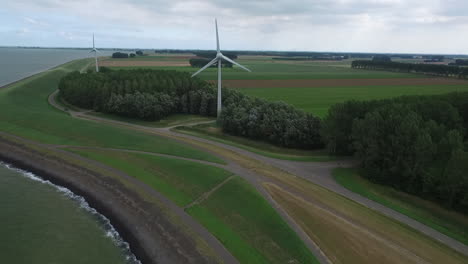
(431, 69)
(460, 62)
(145, 94)
(198, 63)
(152, 95)
(274, 122)
(123, 55)
(119, 55)
(415, 144)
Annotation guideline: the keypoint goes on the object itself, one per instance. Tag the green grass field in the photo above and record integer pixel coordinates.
(450, 223)
(26, 113)
(213, 132)
(249, 227)
(314, 100)
(179, 180)
(319, 100)
(241, 219)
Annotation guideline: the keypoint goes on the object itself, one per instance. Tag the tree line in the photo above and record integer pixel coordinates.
(198, 63)
(144, 94)
(275, 122)
(152, 95)
(417, 144)
(123, 55)
(431, 69)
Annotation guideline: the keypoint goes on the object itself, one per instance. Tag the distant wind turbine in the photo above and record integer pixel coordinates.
(95, 55)
(218, 59)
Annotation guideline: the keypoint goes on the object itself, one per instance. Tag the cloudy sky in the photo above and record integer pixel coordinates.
(407, 26)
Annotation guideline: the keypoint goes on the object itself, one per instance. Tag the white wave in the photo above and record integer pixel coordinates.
(105, 223)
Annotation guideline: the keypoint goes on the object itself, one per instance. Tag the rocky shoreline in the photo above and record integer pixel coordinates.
(146, 226)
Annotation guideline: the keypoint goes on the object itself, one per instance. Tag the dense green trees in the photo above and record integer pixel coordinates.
(202, 62)
(274, 122)
(144, 94)
(381, 58)
(152, 95)
(119, 55)
(432, 69)
(415, 144)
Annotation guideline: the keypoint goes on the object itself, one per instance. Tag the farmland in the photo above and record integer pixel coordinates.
(312, 86)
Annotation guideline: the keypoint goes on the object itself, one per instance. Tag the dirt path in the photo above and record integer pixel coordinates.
(316, 172)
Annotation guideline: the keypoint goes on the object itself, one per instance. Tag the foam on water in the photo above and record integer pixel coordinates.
(104, 222)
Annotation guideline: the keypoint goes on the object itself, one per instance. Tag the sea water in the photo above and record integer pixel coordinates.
(44, 223)
(18, 63)
(41, 223)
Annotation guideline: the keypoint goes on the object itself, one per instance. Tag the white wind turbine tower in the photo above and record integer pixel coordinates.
(95, 55)
(218, 59)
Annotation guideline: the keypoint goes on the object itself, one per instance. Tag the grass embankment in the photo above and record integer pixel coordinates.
(179, 180)
(235, 213)
(346, 231)
(249, 227)
(319, 100)
(212, 131)
(26, 113)
(448, 222)
(350, 233)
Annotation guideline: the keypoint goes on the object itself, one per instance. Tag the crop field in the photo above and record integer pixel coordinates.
(313, 86)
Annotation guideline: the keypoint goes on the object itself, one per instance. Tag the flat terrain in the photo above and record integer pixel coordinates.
(319, 99)
(314, 83)
(312, 86)
(144, 63)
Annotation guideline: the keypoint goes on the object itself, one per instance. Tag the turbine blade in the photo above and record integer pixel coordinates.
(206, 66)
(93, 40)
(237, 64)
(217, 36)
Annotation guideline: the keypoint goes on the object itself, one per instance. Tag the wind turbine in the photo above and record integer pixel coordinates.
(218, 59)
(95, 55)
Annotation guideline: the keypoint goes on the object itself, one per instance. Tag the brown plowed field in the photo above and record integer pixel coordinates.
(129, 63)
(340, 82)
